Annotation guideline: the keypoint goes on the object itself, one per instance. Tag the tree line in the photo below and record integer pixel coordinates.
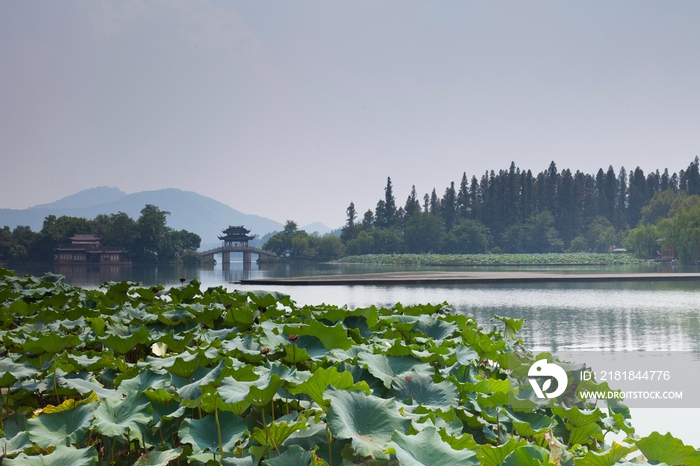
(147, 239)
(517, 211)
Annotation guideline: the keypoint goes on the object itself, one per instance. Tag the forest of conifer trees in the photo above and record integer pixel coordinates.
(517, 211)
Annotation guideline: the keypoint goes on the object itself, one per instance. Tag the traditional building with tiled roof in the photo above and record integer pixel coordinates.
(87, 249)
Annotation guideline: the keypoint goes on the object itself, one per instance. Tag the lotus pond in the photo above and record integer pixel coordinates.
(579, 258)
(134, 375)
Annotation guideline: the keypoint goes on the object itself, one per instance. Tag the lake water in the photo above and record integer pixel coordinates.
(619, 317)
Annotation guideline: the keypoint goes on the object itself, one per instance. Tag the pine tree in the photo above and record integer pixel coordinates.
(348, 231)
(448, 206)
(389, 204)
(463, 197)
(412, 203)
(434, 203)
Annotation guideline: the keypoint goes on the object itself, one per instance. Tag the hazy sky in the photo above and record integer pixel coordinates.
(291, 110)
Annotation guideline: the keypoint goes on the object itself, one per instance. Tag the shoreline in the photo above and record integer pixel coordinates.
(466, 278)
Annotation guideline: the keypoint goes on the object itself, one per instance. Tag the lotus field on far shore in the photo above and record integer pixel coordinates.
(131, 375)
(577, 258)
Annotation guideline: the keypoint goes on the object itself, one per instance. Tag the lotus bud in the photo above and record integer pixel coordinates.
(293, 337)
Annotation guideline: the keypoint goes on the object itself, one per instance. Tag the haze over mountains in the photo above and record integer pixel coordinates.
(188, 210)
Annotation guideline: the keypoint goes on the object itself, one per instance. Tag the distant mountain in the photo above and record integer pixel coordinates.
(86, 198)
(188, 210)
(317, 227)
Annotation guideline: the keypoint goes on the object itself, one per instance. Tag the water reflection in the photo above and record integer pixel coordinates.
(622, 316)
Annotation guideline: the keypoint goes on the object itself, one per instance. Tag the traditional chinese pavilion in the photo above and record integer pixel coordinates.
(233, 236)
(87, 249)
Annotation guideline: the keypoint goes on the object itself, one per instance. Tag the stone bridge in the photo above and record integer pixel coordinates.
(226, 251)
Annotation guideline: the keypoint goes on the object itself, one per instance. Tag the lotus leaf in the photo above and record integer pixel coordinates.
(129, 417)
(15, 438)
(317, 384)
(293, 456)
(202, 434)
(386, 368)
(158, 458)
(335, 336)
(49, 343)
(527, 455)
(368, 421)
(62, 456)
(420, 389)
(667, 449)
(64, 427)
(427, 449)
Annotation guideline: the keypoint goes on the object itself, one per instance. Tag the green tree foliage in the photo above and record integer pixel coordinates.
(512, 203)
(601, 235)
(468, 237)
(297, 244)
(424, 233)
(152, 229)
(349, 232)
(682, 231)
(663, 205)
(412, 204)
(363, 244)
(536, 234)
(148, 239)
(644, 241)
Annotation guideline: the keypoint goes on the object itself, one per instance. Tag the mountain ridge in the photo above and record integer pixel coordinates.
(188, 210)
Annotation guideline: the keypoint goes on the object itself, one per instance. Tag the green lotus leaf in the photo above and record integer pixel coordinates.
(212, 398)
(11, 372)
(491, 455)
(62, 456)
(528, 424)
(527, 455)
(15, 439)
(317, 384)
(667, 449)
(128, 314)
(49, 343)
(213, 458)
(435, 328)
(175, 342)
(175, 317)
(144, 381)
(607, 457)
(234, 391)
(583, 435)
(277, 432)
(264, 298)
(420, 389)
(293, 456)
(368, 421)
(193, 390)
(335, 336)
(164, 412)
(465, 355)
(65, 427)
(203, 435)
(261, 393)
(158, 458)
(116, 417)
(87, 385)
(386, 368)
(187, 363)
(122, 344)
(428, 449)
